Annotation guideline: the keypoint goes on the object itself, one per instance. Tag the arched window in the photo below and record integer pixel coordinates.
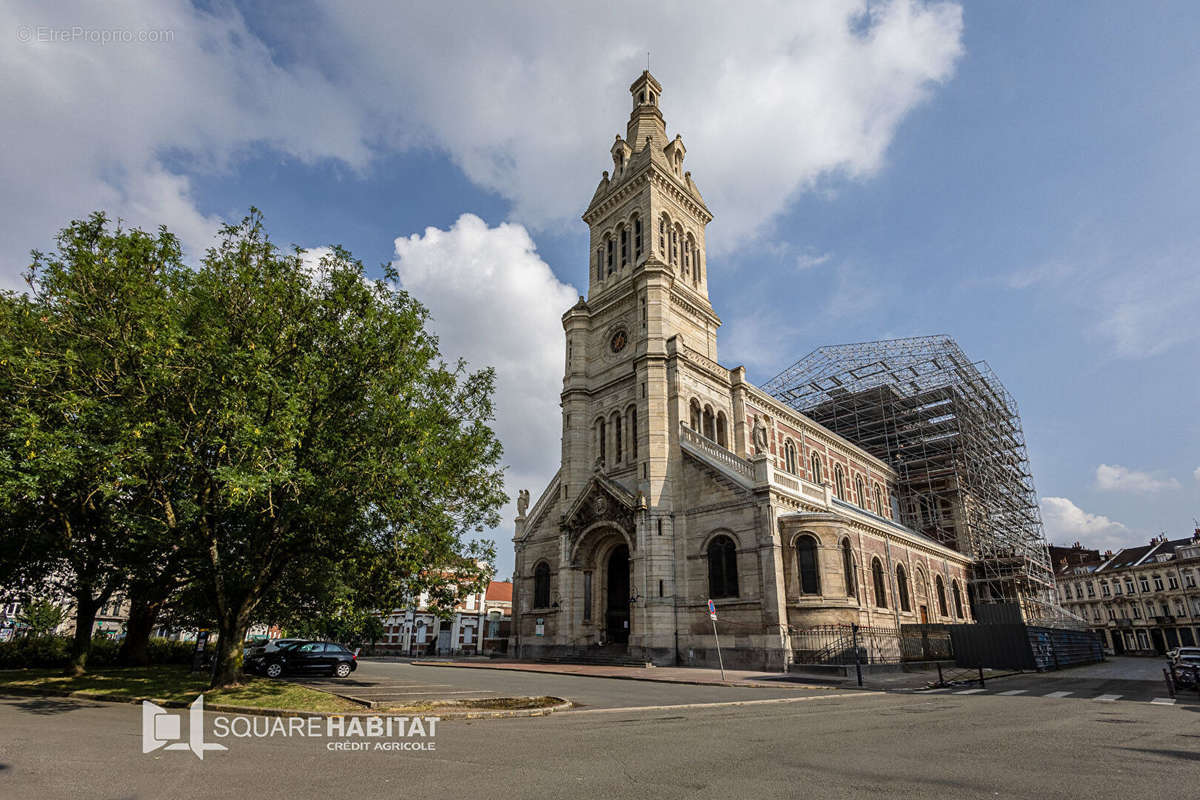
(637, 238)
(954, 592)
(940, 590)
(617, 439)
(807, 566)
(722, 568)
(687, 259)
(722, 427)
(541, 585)
(710, 425)
(694, 420)
(633, 432)
(697, 272)
(599, 263)
(839, 481)
(902, 588)
(675, 245)
(789, 456)
(663, 223)
(816, 468)
(860, 491)
(880, 584)
(601, 441)
(624, 247)
(848, 569)
(879, 501)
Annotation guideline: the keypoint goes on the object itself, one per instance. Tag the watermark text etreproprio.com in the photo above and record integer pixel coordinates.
(81, 33)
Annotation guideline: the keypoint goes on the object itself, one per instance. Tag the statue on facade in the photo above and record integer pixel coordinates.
(522, 502)
(761, 445)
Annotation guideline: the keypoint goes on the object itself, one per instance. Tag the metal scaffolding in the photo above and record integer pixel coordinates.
(951, 431)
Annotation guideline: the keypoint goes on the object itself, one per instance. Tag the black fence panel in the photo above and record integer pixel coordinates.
(1024, 647)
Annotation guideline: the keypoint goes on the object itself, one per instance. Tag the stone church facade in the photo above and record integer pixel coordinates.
(681, 482)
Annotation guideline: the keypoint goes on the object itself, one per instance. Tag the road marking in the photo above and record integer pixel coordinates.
(934, 691)
(1012, 692)
(439, 692)
(1163, 701)
(1108, 698)
(1057, 694)
(971, 691)
(775, 700)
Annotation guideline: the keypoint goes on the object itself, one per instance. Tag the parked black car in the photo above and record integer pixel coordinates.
(304, 657)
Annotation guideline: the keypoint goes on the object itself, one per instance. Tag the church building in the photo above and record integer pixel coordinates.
(681, 482)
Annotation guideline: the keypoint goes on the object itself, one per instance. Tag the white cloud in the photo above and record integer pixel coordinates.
(1066, 522)
(476, 281)
(93, 126)
(524, 98)
(1115, 478)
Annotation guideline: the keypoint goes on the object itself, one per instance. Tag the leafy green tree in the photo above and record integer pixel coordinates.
(84, 364)
(327, 427)
(41, 617)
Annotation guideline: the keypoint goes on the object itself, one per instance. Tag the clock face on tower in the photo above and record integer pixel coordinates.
(618, 341)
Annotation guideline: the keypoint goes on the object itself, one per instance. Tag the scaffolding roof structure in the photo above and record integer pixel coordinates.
(951, 431)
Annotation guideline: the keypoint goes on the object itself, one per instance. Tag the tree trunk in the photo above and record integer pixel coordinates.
(135, 649)
(85, 621)
(227, 667)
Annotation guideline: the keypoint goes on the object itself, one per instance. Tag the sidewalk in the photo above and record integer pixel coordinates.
(693, 675)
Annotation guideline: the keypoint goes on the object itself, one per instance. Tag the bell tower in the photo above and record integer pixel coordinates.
(647, 298)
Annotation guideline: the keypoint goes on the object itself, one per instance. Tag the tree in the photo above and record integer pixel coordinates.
(41, 618)
(85, 360)
(327, 427)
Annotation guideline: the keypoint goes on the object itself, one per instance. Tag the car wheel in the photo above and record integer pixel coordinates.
(342, 670)
(274, 670)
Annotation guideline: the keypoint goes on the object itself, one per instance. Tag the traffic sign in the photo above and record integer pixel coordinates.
(712, 610)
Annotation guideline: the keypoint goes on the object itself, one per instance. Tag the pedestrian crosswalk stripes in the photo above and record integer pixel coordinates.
(1012, 692)
(1108, 698)
(1163, 701)
(971, 691)
(1057, 694)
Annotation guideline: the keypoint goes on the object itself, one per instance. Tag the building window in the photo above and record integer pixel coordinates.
(637, 238)
(848, 569)
(902, 588)
(601, 436)
(617, 439)
(789, 456)
(807, 566)
(1189, 579)
(694, 420)
(722, 427)
(608, 249)
(633, 433)
(1116, 587)
(879, 582)
(675, 245)
(696, 272)
(1158, 583)
(624, 248)
(816, 468)
(1091, 589)
(722, 568)
(1104, 590)
(879, 501)
(1129, 585)
(662, 236)
(710, 424)
(957, 595)
(860, 492)
(940, 588)
(541, 585)
(587, 597)
(1172, 582)
(839, 481)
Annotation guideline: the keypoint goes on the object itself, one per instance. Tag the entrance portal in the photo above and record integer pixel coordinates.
(616, 615)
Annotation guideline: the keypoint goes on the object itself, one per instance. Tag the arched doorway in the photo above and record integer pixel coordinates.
(616, 615)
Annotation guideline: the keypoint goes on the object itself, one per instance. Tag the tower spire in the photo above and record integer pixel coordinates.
(646, 120)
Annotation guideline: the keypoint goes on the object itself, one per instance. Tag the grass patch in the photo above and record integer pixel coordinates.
(173, 683)
(482, 704)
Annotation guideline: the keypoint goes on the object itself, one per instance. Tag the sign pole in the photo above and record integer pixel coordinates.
(712, 614)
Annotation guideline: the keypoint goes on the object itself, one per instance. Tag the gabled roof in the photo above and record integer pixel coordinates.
(1144, 554)
(499, 592)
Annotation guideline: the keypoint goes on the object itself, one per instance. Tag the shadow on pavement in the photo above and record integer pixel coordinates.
(51, 705)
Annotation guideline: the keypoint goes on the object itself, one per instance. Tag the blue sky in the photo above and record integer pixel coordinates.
(1019, 176)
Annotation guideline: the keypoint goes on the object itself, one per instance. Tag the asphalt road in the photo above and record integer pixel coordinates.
(838, 745)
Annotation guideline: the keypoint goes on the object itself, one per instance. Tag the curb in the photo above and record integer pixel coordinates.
(684, 681)
(563, 705)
